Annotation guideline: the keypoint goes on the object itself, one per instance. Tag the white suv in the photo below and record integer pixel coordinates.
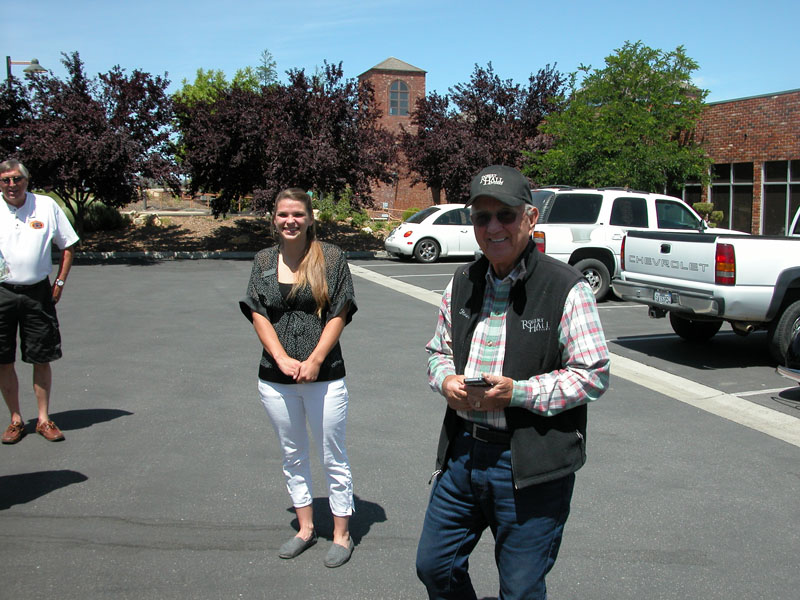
(585, 226)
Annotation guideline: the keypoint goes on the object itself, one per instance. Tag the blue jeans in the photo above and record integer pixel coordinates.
(477, 491)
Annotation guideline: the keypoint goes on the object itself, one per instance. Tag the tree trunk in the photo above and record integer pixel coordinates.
(436, 192)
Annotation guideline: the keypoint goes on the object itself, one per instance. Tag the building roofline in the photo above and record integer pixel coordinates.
(394, 65)
(754, 97)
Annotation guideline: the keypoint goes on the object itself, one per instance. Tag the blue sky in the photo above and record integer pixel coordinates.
(743, 49)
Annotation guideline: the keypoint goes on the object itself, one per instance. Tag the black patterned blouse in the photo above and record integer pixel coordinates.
(295, 321)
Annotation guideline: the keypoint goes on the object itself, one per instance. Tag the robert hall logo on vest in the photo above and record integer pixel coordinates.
(535, 325)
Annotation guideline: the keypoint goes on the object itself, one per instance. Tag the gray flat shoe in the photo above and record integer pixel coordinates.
(296, 546)
(338, 555)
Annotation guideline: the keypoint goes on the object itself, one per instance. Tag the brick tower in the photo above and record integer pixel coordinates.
(398, 86)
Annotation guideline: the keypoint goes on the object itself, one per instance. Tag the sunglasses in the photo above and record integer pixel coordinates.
(504, 217)
(15, 179)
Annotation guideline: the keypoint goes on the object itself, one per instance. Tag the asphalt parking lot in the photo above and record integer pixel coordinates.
(736, 365)
(169, 486)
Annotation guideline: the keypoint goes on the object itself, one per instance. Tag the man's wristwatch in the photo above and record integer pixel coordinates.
(60, 282)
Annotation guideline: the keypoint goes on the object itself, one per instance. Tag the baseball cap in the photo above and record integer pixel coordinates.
(502, 183)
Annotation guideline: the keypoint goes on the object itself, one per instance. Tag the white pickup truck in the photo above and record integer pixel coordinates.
(752, 282)
(585, 226)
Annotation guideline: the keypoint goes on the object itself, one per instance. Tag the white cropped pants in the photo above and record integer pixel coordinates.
(323, 404)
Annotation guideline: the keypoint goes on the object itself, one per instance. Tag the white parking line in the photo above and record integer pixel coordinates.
(621, 305)
(760, 418)
(665, 336)
(423, 275)
(399, 286)
(642, 338)
(777, 424)
(380, 265)
(759, 392)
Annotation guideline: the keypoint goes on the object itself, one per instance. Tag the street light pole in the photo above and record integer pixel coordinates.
(33, 66)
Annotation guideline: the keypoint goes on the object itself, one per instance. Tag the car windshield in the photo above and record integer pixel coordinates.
(422, 215)
(575, 208)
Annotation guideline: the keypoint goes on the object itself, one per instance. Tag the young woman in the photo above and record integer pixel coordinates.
(299, 299)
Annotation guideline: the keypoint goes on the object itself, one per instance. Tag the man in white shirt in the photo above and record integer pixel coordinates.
(29, 225)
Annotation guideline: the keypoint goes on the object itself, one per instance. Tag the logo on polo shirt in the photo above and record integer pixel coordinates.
(37, 225)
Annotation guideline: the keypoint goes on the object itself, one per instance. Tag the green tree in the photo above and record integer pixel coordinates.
(208, 85)
(630, 124)
(266, 71)
(246, 79)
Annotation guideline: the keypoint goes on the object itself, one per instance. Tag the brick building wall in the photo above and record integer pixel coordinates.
(752, 130)
(401, 195)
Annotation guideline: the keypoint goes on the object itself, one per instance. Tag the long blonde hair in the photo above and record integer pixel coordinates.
(311, 270)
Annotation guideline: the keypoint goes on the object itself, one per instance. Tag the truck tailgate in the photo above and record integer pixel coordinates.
(683, 256)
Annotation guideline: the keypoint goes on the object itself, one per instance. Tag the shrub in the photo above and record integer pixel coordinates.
(715, 218)
(703, 208)
(100, 217)
(325, 204)
(325, 215)
(706, 210)
(380, 225)
(360, 218)
(331, 209)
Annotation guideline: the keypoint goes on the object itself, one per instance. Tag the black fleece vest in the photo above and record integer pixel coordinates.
(542, 448)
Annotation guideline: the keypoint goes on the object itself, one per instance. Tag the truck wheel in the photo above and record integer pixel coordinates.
(780, 332)
(596, 274)
(426, 250)
(693, 331)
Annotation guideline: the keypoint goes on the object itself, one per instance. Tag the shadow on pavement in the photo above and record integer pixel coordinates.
(69, 420)
(25, 487)
(365, 515)
(726, 350)
(789, 397)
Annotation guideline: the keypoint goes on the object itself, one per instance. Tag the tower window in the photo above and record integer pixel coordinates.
(398, 98)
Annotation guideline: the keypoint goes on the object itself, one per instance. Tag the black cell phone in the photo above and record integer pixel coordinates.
(477, 381)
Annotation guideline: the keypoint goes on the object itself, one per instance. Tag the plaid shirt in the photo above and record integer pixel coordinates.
(583, 378)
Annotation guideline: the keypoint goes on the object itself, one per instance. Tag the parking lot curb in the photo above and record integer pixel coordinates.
(95, 257)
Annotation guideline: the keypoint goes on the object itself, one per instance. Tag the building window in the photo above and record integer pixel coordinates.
(732, 193)
(398, 99)
(692, 192)
(781, 195)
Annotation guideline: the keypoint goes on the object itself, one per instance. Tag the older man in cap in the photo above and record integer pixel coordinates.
(29, 225)
(518, 352)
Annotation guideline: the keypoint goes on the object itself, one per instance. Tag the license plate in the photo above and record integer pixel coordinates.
(662, 297)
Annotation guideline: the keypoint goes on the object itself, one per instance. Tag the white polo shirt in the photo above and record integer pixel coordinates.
(27, 234)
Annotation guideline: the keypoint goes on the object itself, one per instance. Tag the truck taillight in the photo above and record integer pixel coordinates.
(538, 238)
(622, 254)
(725, 265)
